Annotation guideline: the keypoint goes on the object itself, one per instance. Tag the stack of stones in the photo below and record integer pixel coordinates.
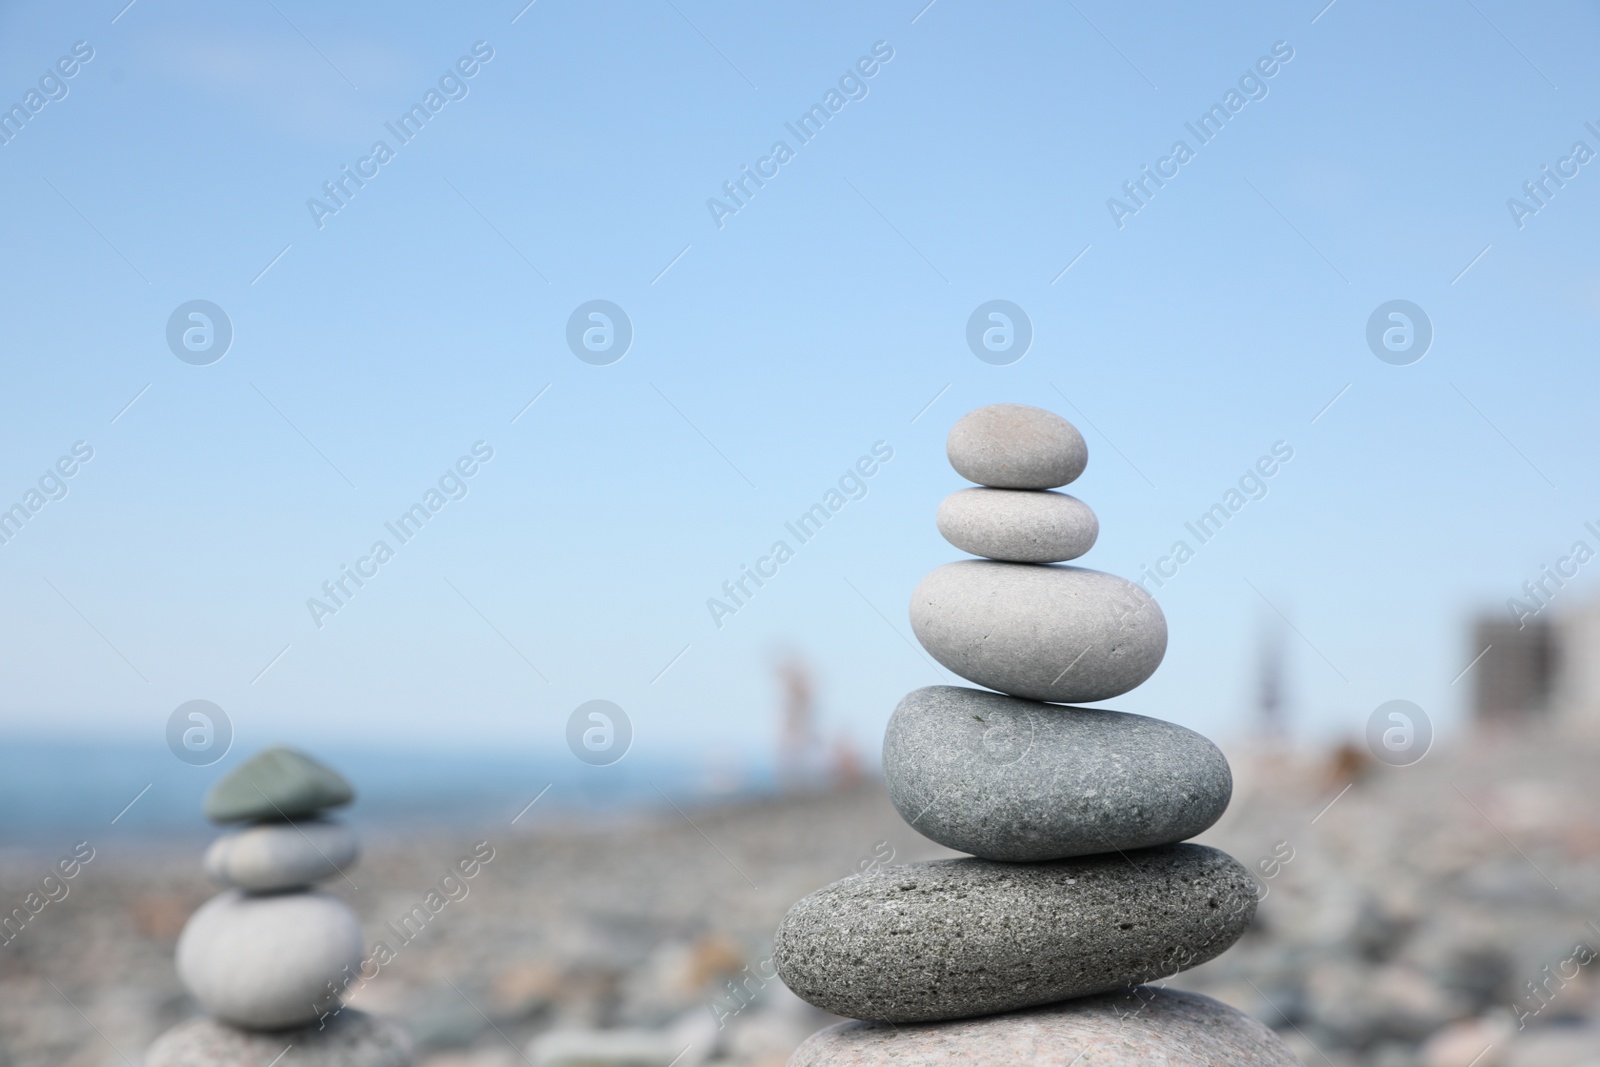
(1077, 891)
(265, 957)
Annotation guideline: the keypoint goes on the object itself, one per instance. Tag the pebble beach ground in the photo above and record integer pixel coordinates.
(1403, 919)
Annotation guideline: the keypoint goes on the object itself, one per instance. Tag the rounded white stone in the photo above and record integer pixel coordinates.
(1014, 446)
(264, 962)
(1062, 634)
(1018, 525)
(349, 1039)
(1141, 1027)
(281, 855)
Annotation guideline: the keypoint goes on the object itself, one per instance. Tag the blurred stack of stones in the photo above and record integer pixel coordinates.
(266, 957)
(1077, 891)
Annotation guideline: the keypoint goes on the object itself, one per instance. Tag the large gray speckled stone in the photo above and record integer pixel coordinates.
(1014, 446)
(266, 962)
(1046, 632)
(1012, 779)
(1144, 1027)
(1020, 525)
(955, 938)
(350, 1039)
(281, 855)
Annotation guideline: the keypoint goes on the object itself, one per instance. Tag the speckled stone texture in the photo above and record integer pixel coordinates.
(957, 938)
(1046, 632)
(1144, 1027)
(1014, 446)
(1018, 525)
(351, 1039)
(1012, 779)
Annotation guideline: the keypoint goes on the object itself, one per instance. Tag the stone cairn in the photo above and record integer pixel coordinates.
(265, 957)
(1033, 949)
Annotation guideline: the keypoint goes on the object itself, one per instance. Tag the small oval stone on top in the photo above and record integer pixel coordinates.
(1015, 446)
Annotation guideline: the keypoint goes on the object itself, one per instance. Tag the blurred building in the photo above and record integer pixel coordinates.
(1575, 690)
(1543, 669)
(1515, 677)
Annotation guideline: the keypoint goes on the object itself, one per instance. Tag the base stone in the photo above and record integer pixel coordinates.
(1147, 1027)
(351, 1039)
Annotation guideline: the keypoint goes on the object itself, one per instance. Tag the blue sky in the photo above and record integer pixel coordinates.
(768, 353)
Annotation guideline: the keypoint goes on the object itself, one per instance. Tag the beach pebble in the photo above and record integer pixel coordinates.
(1019, 525)
(264, 962)
(1142, 1027)
(1014, 446)
(281, 855)
(617, 1048)
(1011, 779)
(276, 783)
(1056, 633)
(956, 938)
(350, 1039)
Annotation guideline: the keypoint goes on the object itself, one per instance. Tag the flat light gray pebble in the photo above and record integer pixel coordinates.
(281, 855)
(1014, 446)
(264, 963)
(957, 938)
(1019, 525)
(1012, 779)
(1144, 1027)
(350, 1039)
(1063, 634)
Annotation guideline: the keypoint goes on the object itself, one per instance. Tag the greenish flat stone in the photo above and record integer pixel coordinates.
(276, 783)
